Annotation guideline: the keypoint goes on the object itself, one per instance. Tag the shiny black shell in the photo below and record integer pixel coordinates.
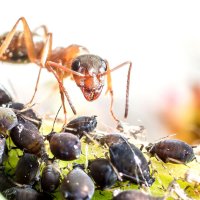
(102, 172)
(8, 120)
(77, 185)
(135, 195)
(64, 146)
(81, 124)
(26, 136)
(175, 151)
(50, 179)
(27, 168)
(30, 114)
(5, 97)
(27, 193)
(130, 161)
(3, 150)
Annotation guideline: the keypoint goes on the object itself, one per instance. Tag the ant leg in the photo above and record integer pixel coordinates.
(43, 28)
(45, 53)
(110, 90)
(63, 91)
(127, 84)
(29, 45)
(27, 37)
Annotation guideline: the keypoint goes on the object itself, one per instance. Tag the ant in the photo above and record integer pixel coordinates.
(88, 70)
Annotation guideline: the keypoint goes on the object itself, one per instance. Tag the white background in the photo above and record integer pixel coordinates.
(161, 38)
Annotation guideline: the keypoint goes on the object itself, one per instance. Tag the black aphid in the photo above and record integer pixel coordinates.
(81, 125)
(3, 150)
(26, 136)
(77, 185)
(8, 120)
(102, 172)
(27, 169)
(112, 138)
(5, 97)
(135, 195)
(27, 193)
(5, 181)
(64, 146)
(130, 161)
(28, 114)
(174, 151)
(50, 179)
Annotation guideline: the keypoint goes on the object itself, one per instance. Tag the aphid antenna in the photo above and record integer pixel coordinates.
(52, 130)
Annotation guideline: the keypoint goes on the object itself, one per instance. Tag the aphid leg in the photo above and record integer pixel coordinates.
(174, 161)
(127, 84)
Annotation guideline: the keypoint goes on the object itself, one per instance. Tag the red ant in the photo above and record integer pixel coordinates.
(88, 70)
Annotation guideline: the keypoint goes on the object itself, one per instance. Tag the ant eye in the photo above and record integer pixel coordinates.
(76, 65)
(103, 67)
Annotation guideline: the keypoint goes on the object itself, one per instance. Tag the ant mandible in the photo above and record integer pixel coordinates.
(88, 70)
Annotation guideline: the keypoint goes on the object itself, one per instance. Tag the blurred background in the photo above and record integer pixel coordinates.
(161, 38)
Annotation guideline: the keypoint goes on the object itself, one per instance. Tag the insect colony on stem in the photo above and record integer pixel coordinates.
(19, 123)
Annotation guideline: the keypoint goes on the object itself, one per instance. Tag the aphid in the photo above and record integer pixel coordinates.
(8, 120)
(27, 193)
(130, 161)
(102, 172)
(110, 139)
(88, 70)
(28, 113)
(77, 185)
(26, 136)
(81, 125)
(174, 151)
(64, 146)
(135, 195)
(5, 181)
(27, 169)
(3, 150)
(50, 179)
(5, 97)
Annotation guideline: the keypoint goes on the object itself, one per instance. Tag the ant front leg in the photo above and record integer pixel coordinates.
(109, 86)
(63, 91)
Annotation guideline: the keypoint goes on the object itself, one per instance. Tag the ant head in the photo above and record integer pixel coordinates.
(93, 68)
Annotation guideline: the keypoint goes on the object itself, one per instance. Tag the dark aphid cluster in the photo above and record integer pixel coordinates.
(38, 175)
